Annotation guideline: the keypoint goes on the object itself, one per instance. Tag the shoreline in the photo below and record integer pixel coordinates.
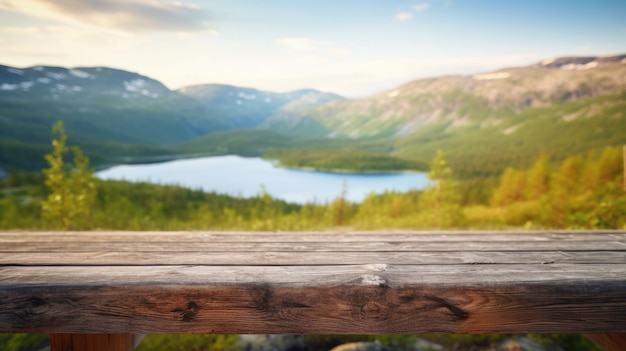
(346, 171)
(276, 163)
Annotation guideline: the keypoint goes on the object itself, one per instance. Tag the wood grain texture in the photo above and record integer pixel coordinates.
(321, 246)
(311, 276)
(342, 309)
(313, 282)
(91, 342)
(324, 236)
(102, 258)
(325, 299)
(609, 342)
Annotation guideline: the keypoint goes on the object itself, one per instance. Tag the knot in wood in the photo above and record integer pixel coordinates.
(188, 313)
(372, 310)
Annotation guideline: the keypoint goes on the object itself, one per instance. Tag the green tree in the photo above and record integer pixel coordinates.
(71, 185)
(511, 189)
(610, 165)
(539, 178)
(564, 196)
(441, 200)
(339, 206)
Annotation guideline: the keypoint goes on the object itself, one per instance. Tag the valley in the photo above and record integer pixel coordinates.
(557, 107)
(537, 148)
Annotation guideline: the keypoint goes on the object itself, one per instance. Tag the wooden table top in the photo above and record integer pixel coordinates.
(305, 282)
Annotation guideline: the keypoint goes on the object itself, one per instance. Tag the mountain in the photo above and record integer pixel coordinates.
(100, 102)
(110, 113)
(247, 107)
(94, 84)
(558, 106)
(461, 101)
(120, 116)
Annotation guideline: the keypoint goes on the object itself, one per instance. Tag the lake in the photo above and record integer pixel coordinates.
(247, 176)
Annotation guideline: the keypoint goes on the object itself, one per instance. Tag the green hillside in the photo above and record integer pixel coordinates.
(483, 122)
(557, 131)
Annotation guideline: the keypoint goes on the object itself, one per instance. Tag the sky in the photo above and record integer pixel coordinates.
(350, 47)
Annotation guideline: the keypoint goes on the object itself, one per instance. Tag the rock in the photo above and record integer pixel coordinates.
(271, 342)
(519, 344)
(360, 346)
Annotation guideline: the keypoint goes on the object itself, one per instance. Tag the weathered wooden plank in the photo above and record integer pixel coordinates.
(91, 342)
(311, 276)
(307, 258)
(249, 246)
(345, 309)
(408, 236)
(398, 282)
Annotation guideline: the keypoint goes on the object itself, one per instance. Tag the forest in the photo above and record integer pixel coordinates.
(583, 191)
(580, 192)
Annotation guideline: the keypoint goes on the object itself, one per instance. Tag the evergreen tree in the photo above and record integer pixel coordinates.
(539, 178)
(71, 185)
(338, 207)
(442, 198)
(512, 188)
(570, 174)
(563, 197)
(610, 165)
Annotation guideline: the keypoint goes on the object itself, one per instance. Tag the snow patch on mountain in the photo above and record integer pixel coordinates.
(134, 85)
(43, 80)
(26, 85)
(139, 86)
(148, 93)
(492, 76)
(80, 74)
(246, 96)
(393, 93)
(9, 87)
(580, 67)
(59, 88)
(57, 76)
(19, 72)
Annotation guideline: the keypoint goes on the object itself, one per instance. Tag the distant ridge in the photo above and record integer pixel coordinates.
(561, 106)
(462, 101)
(121, 116)
(248, 107)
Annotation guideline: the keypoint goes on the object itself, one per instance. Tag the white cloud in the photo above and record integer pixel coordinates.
(122, 15)
(72, 45)
(404, 16)
(421, 7)
(22, 30)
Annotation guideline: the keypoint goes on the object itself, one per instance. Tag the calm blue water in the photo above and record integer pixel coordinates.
(245, 177)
